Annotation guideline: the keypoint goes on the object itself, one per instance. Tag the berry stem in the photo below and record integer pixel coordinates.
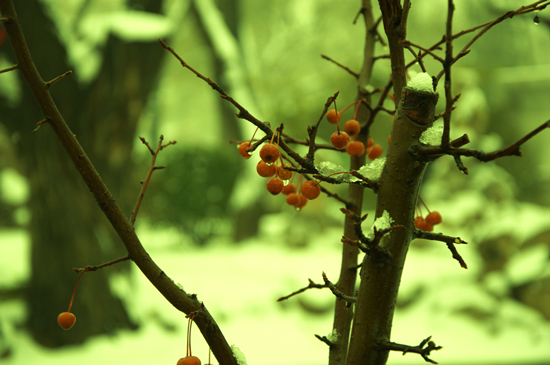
(251, 139)
(422, 200)
(358, 103)
(74, 290)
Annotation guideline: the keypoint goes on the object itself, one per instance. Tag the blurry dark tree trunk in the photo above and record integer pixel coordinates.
(67, 230)
(246, 220)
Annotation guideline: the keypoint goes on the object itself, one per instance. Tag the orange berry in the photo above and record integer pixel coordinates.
(242, 150)
(389, 139)
(284, 174)
(433, 218)
(355, 148)
(333, 116)
(424, 226)
(375, 152)
(288, 189)
(370, 142)
(417, 221)
(339, 140)
(275, 185)
(265, 170)
(189, 360)
(311, 189)
(301, 203)
(66, 320)
(269, 153)
(352, 127)
(292, 198)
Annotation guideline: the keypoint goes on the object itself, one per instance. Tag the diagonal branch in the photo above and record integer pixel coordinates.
(243, 113)
(165, 285)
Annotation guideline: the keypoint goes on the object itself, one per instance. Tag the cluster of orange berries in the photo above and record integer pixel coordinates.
(427, 224)
(341, 139)
(280, 179)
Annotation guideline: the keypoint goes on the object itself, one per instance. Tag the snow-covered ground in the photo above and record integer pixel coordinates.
(240, 286)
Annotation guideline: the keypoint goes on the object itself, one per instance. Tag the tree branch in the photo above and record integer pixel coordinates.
(420, 349)
(177, 297)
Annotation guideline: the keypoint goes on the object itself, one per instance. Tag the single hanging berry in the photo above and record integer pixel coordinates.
(288, 189)
(243, 150)
(374, 152)
(356, 148)
(433, 218)
(189, 360)
(265, 170)
(310, 189)
(275, 185)
(269, 153)
(352, 127)
(339, 139)
(66, 320)
(333, 116)
(302, 202)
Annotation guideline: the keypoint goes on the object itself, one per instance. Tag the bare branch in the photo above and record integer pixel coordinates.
(420, 349)
(51, 82)
(11, 68)
(325, 340)
(338, 293)
(94, 268)
(149, 173)
(353, 73)
(162, 282)
(450, 241)
(311, 285)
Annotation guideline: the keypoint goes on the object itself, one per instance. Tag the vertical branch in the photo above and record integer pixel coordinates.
(343, 314)
(395, 27)
(447, 65)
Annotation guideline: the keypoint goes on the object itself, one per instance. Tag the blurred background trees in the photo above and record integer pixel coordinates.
(266, 55)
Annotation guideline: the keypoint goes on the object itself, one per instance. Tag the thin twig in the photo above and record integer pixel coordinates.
(338, 293)
(51, 82)
(14, 67)
(94, 268)
(149, 173)
(311, 285)
(243, 113)
(353, 73)
(447, 66)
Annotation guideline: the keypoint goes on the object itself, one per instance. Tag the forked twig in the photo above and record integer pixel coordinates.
(154, 153)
